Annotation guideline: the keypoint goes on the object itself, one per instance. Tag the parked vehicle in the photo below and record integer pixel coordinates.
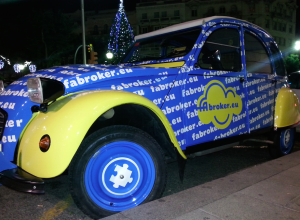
(202, 86)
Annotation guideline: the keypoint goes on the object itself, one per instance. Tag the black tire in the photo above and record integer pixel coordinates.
(130, 154)
(283, 143)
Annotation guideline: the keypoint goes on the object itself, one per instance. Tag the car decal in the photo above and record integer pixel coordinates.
(218, 104)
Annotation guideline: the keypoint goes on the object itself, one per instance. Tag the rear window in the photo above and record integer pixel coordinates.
(257, 58)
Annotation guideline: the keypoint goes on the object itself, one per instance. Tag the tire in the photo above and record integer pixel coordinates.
(116, 168)
(283, 143)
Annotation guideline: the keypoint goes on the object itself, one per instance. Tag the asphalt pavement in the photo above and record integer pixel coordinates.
(268, 191)
(238, 183)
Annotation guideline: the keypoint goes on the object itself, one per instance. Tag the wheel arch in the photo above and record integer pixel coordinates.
(72, 118)
(141, 117)
(287, 111)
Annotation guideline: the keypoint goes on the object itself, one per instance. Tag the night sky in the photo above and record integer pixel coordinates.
(72, 5)
(20, 35)
(67, 5)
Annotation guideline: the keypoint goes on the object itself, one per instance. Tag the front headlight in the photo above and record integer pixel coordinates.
(44, 90)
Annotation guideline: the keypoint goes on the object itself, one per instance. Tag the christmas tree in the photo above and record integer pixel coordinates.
(121, 36)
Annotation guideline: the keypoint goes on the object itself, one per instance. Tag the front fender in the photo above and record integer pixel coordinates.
(66, 122)
(287, 112)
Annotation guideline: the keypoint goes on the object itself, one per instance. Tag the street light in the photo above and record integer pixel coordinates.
(83, 32)
(109, 55)
(297, 45)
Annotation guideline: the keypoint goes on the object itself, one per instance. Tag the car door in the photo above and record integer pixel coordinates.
(260, 80)
(216, 87)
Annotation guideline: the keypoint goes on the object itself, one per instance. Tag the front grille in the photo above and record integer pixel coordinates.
(3, 119)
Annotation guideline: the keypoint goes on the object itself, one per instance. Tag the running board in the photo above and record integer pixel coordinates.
(212, 150)
(257, 142)
(250, 142)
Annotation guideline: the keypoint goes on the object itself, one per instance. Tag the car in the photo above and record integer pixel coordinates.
(199, 86)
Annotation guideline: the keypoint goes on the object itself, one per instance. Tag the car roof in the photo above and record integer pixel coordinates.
(188, 24)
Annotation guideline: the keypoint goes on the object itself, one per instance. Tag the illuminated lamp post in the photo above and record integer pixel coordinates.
(109, 55)
(297, 45)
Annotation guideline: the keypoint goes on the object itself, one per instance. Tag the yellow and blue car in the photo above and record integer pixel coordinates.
(198, 86)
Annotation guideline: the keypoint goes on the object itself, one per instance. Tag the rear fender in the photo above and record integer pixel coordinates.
(287, 112)
(66, 122)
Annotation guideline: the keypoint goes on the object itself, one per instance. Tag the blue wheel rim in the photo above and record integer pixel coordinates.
(286, 141)
(119, 176)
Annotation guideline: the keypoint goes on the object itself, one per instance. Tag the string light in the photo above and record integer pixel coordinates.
(5, 59)
(17, 68)
(1, 64)
(32, 68)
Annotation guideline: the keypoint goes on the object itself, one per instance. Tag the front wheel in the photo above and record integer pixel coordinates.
(115, 169)
(283, 143)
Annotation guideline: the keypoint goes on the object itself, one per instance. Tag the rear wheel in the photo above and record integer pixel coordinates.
(283, 143)
(115, 169)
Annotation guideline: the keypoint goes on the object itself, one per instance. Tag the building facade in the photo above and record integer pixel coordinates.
(278, 17)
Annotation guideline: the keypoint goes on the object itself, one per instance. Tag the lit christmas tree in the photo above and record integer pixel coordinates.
(121, 36)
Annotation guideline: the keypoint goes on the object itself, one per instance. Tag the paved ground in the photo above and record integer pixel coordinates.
(58, 204)
(236, 184)
(268, 191)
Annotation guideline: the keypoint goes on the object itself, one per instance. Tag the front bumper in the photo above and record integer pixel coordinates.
(20, 180)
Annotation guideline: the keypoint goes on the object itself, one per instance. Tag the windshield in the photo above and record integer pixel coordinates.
(162, 47)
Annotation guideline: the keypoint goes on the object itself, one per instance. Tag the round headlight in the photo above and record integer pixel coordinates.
(44, 90)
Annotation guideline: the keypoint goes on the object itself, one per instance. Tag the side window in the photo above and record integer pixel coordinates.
(279, 64)
(257, 58)
(221, 51)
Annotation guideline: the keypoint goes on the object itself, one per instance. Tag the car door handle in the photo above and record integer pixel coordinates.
(242, 79)
(274, 81)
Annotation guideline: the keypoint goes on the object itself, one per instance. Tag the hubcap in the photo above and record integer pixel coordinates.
(287, 138)
(286, 141)
(121, 183)
(120, 176)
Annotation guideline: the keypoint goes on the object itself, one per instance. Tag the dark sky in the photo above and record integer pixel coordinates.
(68, 5)
(10, 6)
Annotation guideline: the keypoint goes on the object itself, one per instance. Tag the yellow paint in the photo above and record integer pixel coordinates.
(218, 104)
(287, 110)
(57, 209)
(67, 122)
(169, 65)
(21, 135)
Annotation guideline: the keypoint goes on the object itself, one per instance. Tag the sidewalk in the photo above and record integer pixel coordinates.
(268, 191)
